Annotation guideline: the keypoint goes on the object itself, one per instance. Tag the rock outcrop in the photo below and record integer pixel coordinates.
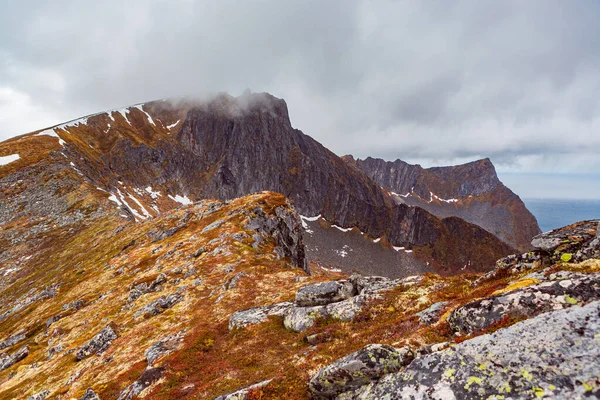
(98, 344)
(128, 164)
(556, 292)
(553, 355)
(358, 369)
(576, 242)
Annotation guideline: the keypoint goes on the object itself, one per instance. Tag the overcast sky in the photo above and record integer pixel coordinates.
(429, 82)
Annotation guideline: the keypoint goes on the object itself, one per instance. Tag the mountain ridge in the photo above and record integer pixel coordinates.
(471, 191)
(151, 157)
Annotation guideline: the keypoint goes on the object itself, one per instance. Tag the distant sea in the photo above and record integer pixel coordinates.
(552, 214)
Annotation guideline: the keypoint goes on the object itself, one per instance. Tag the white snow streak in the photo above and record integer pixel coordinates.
(152, 193)
(311, 219)
(139, 107)
(8, 159)
(169, 127)
(181, 199)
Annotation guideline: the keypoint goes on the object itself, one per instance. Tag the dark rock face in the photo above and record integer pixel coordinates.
(550, 356)
(229, 147)
(98, 344)
(566, 290)
(471, 192)
(358, 369)
(286, 227)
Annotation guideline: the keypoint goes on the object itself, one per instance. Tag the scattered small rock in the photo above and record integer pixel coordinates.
(98, 344)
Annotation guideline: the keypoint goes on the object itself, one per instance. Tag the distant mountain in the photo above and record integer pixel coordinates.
(143, 160)
(470, 191)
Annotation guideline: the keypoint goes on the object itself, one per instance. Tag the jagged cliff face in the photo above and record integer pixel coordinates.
(471, 192)
(141, 161)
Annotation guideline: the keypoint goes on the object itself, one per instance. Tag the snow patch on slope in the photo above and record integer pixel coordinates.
(8, 159)
(181, 199)
(139, 107)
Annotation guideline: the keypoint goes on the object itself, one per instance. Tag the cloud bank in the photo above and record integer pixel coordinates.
(429, 82)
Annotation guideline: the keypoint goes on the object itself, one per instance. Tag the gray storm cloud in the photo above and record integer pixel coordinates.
(428, 82)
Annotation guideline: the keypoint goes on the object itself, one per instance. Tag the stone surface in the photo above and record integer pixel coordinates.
(160, 305)
(300, 319)
(243, 394)
(256, 315)
(13, 339)
(148, 377)
(40, 395)
(163, 347)
(8, 360)
(318, 294)
(431, 314)
(90, 395)
(579, 241)
(98, 344)
(358, 369)
(554, 355)
(567, 290)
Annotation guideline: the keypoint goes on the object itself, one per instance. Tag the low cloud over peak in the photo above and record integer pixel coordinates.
(428, 82)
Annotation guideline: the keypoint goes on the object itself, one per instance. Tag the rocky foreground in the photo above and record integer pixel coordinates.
(216, 300)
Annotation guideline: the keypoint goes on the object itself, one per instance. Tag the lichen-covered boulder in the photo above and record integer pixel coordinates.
(346, 310)
(431, 314)
(243, 394)
(300, 319)
(526, 302)
(98, 344)
(554, 355)
(357, 369)
(256, 315)
(322, 293)
(578, 241)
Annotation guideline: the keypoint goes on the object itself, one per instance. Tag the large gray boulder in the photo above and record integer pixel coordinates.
(98, 344)
(300, 319)
(554, 355)
(570, 289)
(322, 293)
(256, 315)
(357, 369)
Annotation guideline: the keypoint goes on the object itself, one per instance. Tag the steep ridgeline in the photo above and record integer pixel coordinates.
(470, 191)
(143, 160)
